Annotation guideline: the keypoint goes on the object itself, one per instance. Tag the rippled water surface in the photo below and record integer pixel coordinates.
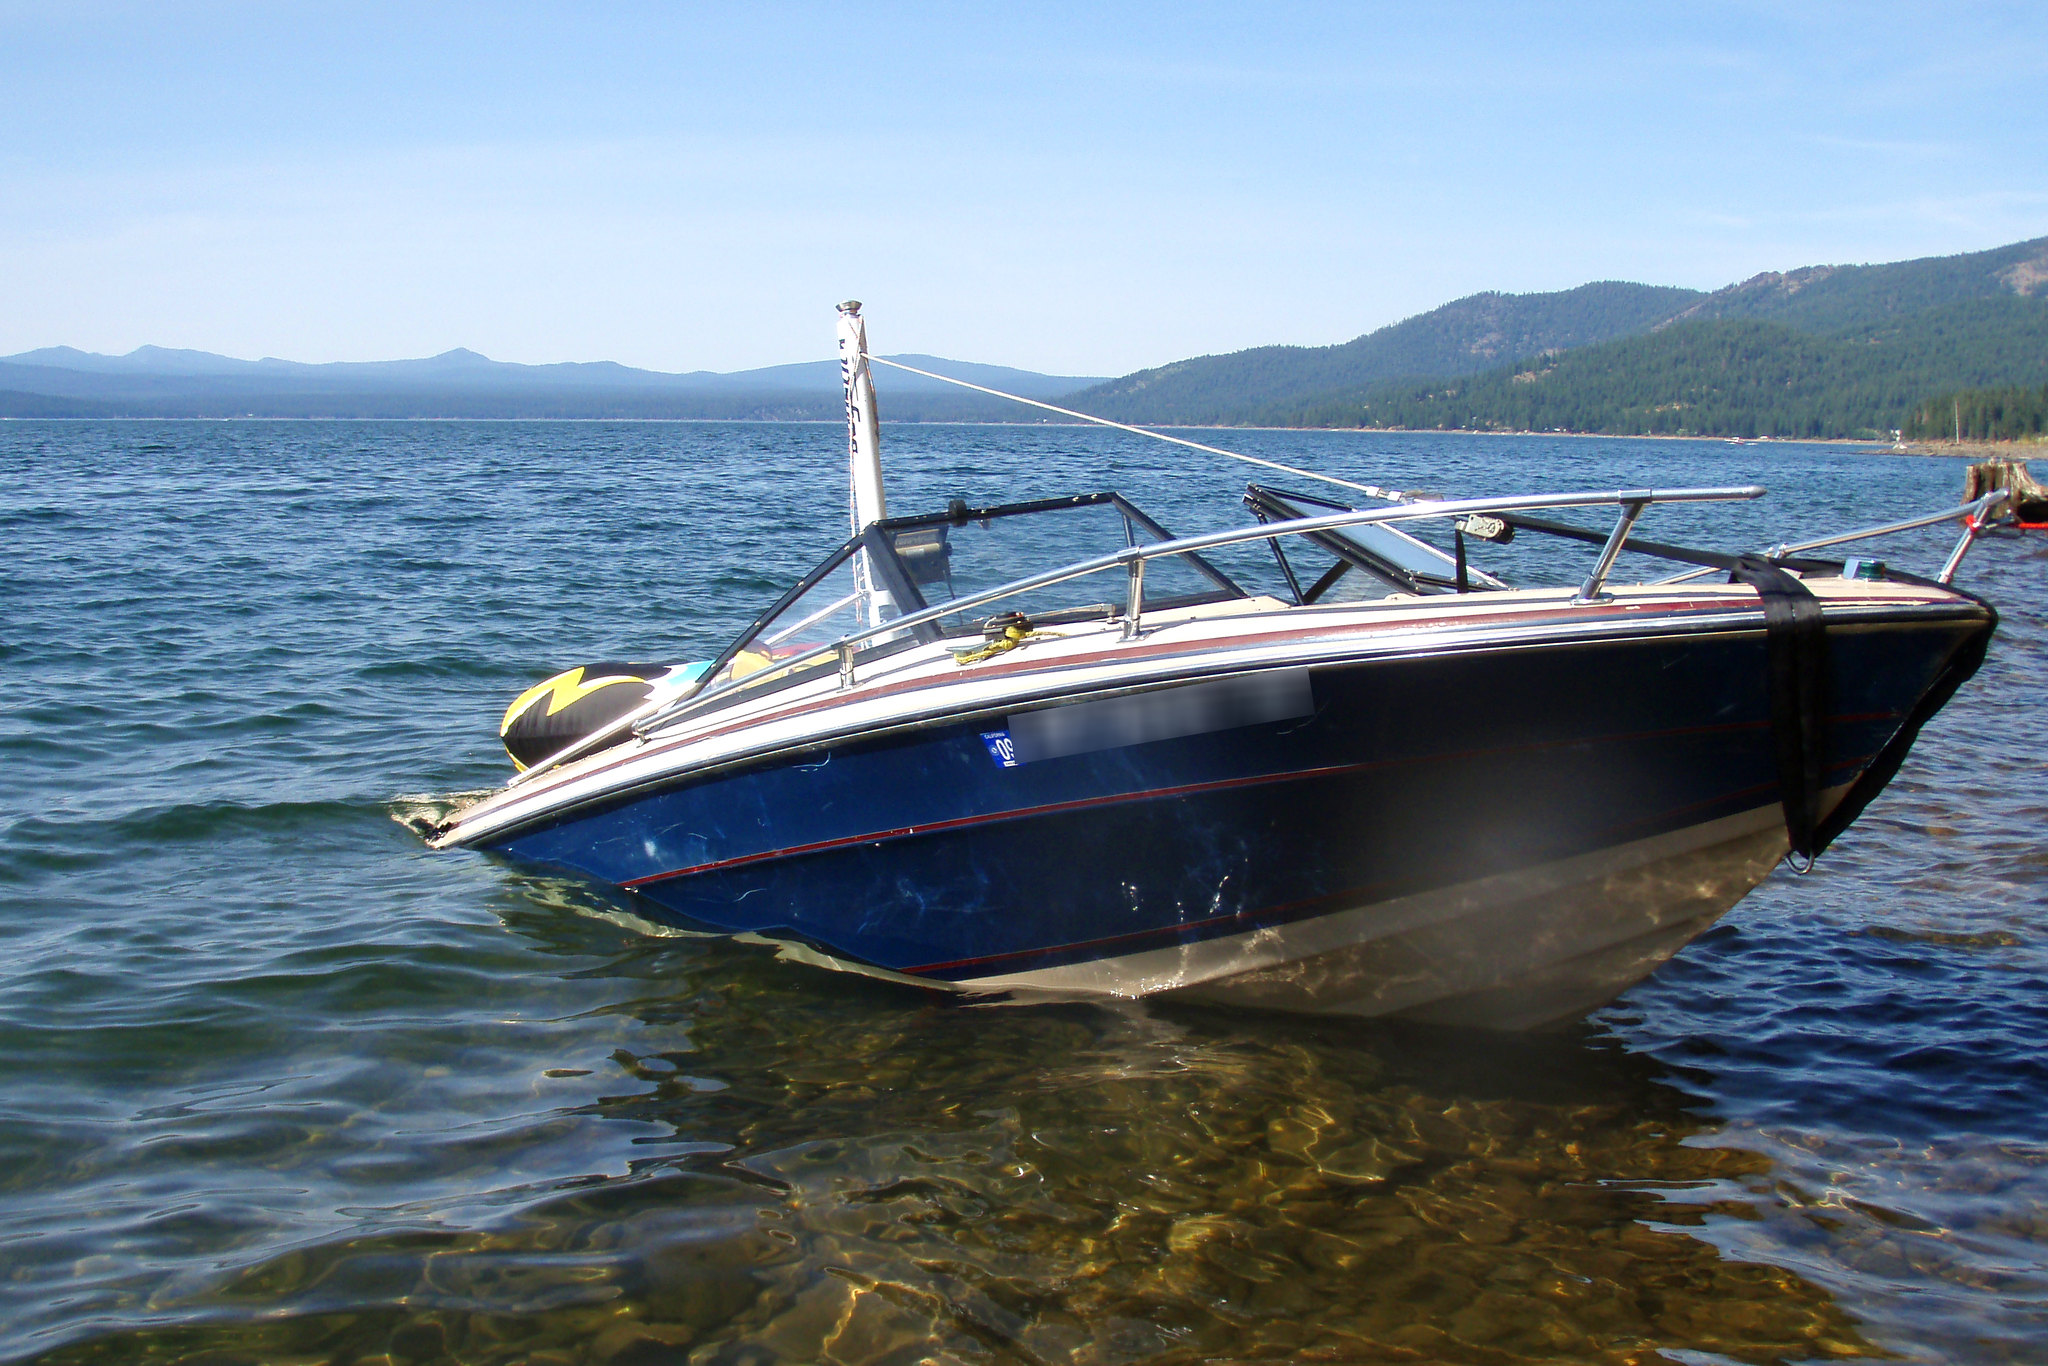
(278, 1084)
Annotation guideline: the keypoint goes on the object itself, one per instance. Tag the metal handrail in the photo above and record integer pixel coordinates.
(1133, 557)
(1973, 511)
(827, 610)
(1448, 507)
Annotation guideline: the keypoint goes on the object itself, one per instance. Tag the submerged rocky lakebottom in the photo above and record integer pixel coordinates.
(279, 1084)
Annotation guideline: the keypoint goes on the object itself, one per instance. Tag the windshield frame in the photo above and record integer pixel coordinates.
(893, 577)
(1270, 504)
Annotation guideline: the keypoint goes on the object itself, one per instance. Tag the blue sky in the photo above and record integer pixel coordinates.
(1071, 188)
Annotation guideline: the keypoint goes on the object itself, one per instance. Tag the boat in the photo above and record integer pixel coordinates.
(1051, 748)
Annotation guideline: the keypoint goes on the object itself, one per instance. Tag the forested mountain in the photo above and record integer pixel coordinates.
(1469, 335)
(2007, 413)
(1820, 351)
(1726, 377)
(1825, 350)
(1834, 298)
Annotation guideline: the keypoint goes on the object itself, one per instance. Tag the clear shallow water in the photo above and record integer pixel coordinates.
(278, 1084)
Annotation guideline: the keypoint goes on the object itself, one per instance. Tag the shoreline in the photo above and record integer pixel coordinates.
(2016, 448)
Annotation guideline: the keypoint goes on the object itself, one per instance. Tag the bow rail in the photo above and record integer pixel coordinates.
(1975, 514)
(1132, 559)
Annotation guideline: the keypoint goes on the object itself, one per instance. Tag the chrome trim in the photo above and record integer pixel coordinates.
(827, 610)
(1590, 590)
(1973, 526)
(1134, 599)
(1968, 510)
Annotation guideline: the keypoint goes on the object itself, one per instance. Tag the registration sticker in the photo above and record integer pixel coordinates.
(1000, 748)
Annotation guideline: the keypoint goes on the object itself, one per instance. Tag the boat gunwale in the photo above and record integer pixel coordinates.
(1580, 626)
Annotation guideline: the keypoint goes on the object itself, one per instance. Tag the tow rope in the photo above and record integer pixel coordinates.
(1000, 633)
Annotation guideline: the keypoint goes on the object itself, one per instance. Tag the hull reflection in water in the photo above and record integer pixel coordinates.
(847, 1174)
(1523, 948)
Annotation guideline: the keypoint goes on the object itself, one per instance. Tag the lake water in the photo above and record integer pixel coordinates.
(278, 1084)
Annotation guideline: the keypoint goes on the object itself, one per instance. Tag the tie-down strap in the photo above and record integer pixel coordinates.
(1796, 672)
(1796, 646)
(1795, 643)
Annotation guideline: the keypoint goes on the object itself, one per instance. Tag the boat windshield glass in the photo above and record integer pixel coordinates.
(974, 550)
(954, 555)
(830, 608)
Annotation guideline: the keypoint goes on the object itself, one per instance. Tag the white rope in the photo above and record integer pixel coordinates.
(1370, 490)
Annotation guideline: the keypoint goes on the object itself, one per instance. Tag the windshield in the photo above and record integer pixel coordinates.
(972, 550)
(831, 603)
(907, 564)
(1357, 563)
(910, 564)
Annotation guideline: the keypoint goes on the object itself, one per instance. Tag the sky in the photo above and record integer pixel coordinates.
(1079, 189)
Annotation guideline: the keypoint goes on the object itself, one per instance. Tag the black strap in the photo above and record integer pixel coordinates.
(1798, 677)
(1710, 559)
(1796, 661)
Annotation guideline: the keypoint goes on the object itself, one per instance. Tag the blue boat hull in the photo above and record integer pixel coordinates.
(921, 853)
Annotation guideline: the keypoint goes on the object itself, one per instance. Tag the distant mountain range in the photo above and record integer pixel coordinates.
(1818, 351)
(1821, 351)
(1464, 337)
(1723, 377)
(154, 381)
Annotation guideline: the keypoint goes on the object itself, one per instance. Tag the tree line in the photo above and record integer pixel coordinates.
(1728, 377)
(2008, 413)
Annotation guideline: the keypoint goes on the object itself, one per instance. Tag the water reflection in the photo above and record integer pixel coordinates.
(826, 1168)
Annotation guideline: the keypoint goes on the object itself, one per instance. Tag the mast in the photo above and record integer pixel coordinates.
(865, 500)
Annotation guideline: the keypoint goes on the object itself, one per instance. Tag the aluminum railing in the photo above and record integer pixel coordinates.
(1975, 514)
(1133, 558)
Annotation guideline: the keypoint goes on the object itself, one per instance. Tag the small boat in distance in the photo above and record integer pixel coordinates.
(1052, 747)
